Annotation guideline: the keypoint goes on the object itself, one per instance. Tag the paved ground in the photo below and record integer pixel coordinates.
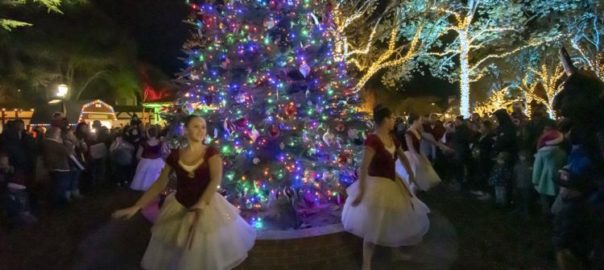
(465, 234)
(120, 245)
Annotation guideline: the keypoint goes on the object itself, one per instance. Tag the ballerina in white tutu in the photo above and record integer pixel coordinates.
(197, 228)
(380, 208)
(150, 161)
(425, 175)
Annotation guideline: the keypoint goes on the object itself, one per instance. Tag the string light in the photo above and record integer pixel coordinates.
(497, 100)
(395, 55)
(471, 38)
(550, 81)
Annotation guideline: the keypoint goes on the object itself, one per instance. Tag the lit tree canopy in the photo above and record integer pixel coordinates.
(586, 31)
(542, 80)
(383, 37)
(499, 99)
(482, 31)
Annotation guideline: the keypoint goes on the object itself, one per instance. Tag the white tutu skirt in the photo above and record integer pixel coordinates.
(425, 175)
(147, 172)
(221, 240)
(388, 215)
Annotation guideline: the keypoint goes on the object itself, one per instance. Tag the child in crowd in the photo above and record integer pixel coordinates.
(500, 179)
(522, 183)
(122, 157)
(13, 197)
(549, 159)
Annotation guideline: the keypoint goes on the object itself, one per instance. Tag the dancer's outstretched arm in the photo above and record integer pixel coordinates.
(434, 142)
(148, 196)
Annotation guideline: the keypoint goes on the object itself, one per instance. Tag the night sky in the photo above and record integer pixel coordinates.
(158, 28)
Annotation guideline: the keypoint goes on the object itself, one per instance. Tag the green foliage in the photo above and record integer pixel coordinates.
(9, 24)
(82, 48)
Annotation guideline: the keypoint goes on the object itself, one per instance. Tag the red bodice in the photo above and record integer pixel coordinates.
(189, 189)
(414, 140)
(151, 152)
(383, 162)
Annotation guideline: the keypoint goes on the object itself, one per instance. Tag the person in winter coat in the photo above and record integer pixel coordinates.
(549, 159)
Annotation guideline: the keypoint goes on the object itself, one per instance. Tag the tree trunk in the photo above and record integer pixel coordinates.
(464, 74)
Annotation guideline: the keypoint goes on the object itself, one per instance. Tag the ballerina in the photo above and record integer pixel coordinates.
(197, 228)
(425, 175)
(150, 161)
(380, 208)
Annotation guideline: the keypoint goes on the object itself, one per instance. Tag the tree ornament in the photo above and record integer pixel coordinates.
(290, 110)
(256, 161)
(241, 98)
(254, 134)
(274, 131)
(269, 22)
(304, 69)
(328, 138)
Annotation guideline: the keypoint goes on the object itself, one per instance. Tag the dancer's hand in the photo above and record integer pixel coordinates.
(446, 149)
(125, 213)
(198, 207)
(358, 199)
(412, 178)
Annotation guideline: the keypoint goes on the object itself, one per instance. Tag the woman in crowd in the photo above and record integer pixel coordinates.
(197, 228)
(505, 147)
(481, 152)
(380, 208)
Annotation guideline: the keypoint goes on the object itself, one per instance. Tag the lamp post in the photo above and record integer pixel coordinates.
(60, 94)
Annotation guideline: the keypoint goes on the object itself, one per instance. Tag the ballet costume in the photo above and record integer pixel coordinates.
(149, 167)
(388, 214)
(221, 238)
(425, 175)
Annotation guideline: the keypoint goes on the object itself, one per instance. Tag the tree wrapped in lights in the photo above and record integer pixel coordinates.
(542, 85)
(376, 37)
(499, 99)
(287, 122)
(587, 37)
(486, 30)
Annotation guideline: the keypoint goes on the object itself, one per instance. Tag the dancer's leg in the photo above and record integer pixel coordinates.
(368, 249)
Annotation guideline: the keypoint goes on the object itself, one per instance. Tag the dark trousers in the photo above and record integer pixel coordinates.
(122, 173)
(61, 182)
(97, 171)
(546, 204)
(459, 172)
(523, 200)
(74, 179)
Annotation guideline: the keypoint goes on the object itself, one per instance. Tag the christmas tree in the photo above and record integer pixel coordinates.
(277, 99)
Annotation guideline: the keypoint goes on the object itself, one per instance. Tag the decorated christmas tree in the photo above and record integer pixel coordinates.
(277, 99)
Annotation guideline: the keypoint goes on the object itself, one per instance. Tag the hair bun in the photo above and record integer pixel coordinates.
(378, 108)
